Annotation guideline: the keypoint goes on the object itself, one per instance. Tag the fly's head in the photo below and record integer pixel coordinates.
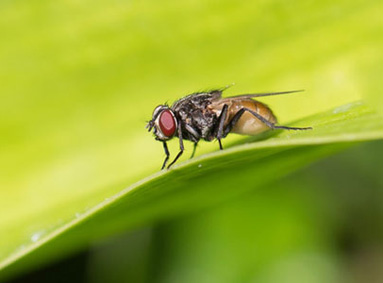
(163, 123)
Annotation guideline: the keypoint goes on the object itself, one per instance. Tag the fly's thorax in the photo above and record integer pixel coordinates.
(196, 119)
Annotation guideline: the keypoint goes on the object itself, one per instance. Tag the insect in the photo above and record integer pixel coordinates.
(209, 116)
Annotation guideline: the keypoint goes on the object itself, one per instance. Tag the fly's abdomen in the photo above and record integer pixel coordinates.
(248, 124)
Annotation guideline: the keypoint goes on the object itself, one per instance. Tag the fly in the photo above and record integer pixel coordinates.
(209, 116)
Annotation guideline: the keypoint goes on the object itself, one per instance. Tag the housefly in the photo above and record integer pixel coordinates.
(209, 116)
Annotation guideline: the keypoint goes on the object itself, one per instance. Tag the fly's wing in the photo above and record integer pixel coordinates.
(217, 104)
(216, 94)
(244, 96)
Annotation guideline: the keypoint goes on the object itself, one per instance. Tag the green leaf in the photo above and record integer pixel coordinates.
(197, 183)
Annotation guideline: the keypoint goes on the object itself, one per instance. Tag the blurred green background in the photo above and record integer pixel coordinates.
(80, 78)
(322, 224)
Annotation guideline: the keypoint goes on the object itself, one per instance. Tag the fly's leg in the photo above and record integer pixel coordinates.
(194, 149)
(196, 137)
(167, 155)
(181, 147)
(193, 132)
(221, 121)
(271, 125)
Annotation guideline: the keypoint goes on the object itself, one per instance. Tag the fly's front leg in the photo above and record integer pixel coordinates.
(221, 121)
(167, 155)
(181, 147)
(271, 125)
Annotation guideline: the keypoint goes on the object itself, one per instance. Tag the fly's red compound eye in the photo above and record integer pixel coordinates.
(167, 123)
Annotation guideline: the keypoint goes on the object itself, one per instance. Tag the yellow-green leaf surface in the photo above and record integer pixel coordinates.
(79, 80)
